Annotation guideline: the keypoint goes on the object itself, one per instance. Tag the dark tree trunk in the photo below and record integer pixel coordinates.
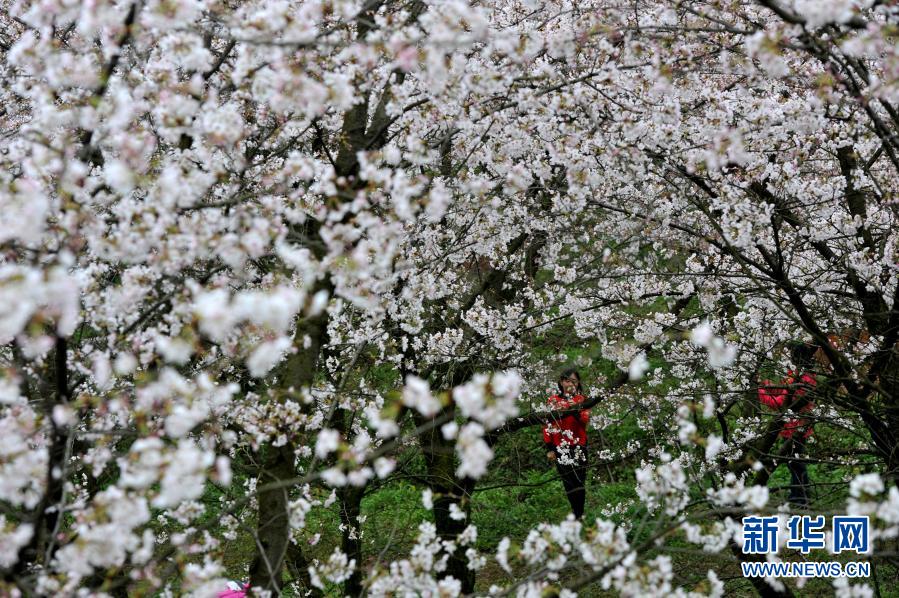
(351, 543)
(272, 526)
(440, 461)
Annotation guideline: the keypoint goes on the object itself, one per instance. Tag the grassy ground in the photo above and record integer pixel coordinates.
(510, 504)
(522, 489)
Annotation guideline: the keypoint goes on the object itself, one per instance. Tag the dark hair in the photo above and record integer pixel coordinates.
(802, 353)
(567, 374)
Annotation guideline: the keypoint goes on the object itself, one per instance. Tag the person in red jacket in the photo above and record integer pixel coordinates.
(786, 395)
(566, 440)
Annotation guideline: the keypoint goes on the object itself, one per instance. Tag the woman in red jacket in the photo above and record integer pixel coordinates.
(785, 396)
(566, 440)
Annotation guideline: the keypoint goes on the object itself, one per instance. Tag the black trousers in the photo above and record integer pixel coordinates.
(574, 478)
(799, 480)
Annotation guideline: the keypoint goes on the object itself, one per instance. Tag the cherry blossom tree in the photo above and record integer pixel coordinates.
(260, 253)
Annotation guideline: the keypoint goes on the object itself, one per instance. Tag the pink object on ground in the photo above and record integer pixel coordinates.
(234, 590)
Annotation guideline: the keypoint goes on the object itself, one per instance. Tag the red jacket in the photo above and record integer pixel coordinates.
(776, 397)
(571, 429)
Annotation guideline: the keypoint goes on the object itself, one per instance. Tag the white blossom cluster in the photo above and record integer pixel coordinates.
(278, 247)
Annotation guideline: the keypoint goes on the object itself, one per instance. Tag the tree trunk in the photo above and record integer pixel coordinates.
(272, 527)
(448, 489)
(45, 515)
(278, 467)
(351, 543)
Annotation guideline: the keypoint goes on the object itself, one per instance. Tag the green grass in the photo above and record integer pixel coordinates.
(523, 489)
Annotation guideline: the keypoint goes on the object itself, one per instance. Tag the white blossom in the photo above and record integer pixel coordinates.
(638, 367)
